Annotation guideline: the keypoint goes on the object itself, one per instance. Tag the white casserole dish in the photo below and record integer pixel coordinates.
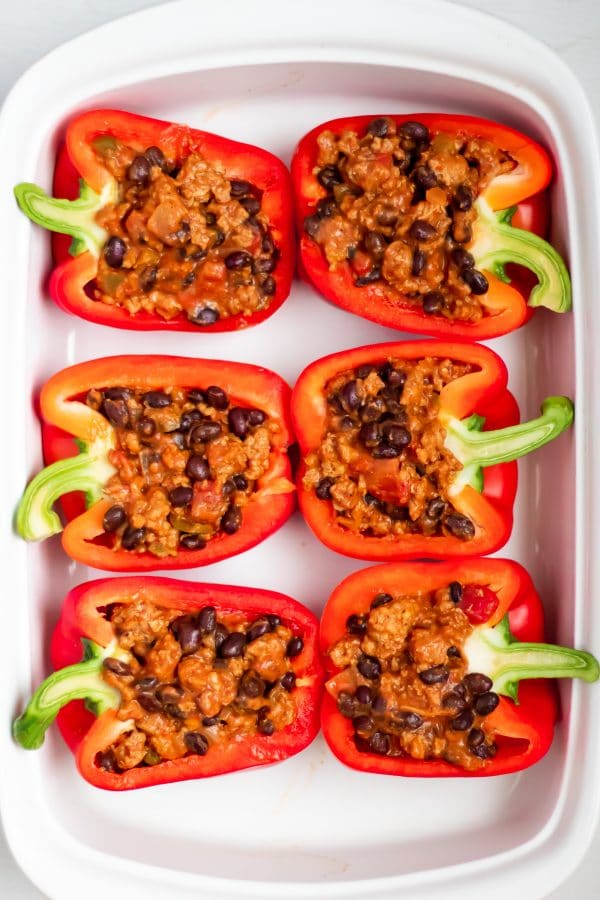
(309, 827)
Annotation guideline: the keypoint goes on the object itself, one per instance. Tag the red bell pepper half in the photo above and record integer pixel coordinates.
(83, 187)
(92, 727)
(480, 418)
(64, 414)
(504, 645)
(496, 242)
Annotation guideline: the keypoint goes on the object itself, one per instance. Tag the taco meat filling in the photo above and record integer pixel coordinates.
(190, 683)
(183, 238)
(400, 209)
(382, 462)
(405, 683)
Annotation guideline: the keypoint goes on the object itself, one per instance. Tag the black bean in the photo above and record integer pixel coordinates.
(452, 700)
(373, 410)
(421, 230)
(195, 395)
(364, 694)
(263, 265)
(476, 738)
(114, 517)
(252, 207)
(116, 412)
(435, 508)
(107, 761)
(386, 451)
(263, 724)
(192, 541)
(205, 432)
(132, 537)
(237, 419)
(146, 684)
(349, 396)
(156, 399)
(189, 418)
(251, 685)
(326, 207)
(274, 620)
(288, 681)
(463, 721)
(433, 303)
(369, 278)
(139, 170)
(363, 724)
(219, 635)
(484, 751)
(216, 397)
(379, 704)
(356, 625)
(233, 645)
(425, 177)
(312, 225)
(410, 720)
(205, 315)
(149, 702)
(455, 591)
(187, 633)
(218, 238)
(197, 468)
(387, 216)
(117, 666)
(259, 628)
(415, 131)
(379, 127)
(329, 176)
(453, 652)
(114, 252)
(232, 520)
(396, 435)
(476, 280)
(207, 619)
(477, 682)
(369, 666)
(169, 693)
(268, 245)
(434, 675)
(463, 198)
(375, 243)
(240, 482)
(181, 496)
(239, 187)
(294, 648)
(462, 258)
(255, 417)
(486, 703)
(369, 434)
(397, 513)
(460, 526)
(155, 157)
(381, 600)
(346, 704)
(393, 378)
(380, 743)
(210, 721)
(146, 427)
(418, 262)
(196, 743)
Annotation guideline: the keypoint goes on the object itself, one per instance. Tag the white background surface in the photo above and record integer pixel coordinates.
(29, 28)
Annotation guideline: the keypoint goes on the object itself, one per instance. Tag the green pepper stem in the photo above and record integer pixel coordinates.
(74, 217)
(476, 449)
(496, 242)
(81, 681)
(507, 661)
(88, 471)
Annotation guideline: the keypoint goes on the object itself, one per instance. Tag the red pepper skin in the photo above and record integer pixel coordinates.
(271, 505)
(76, 160)
(524, 732)
(87, 735)
(483, 391)
(385, 305)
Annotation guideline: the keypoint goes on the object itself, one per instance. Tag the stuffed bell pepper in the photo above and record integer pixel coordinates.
(396, 462)
(425, 663)
(172, 228)
(410, 222)
(183, 462)
(177, 681)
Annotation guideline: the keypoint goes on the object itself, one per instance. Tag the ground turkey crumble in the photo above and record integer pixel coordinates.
(382, 461)
(400, 209)
(190, 682)
(405, 683)
(182, 238)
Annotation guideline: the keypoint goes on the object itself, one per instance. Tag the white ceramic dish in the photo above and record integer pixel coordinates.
(308, 827)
